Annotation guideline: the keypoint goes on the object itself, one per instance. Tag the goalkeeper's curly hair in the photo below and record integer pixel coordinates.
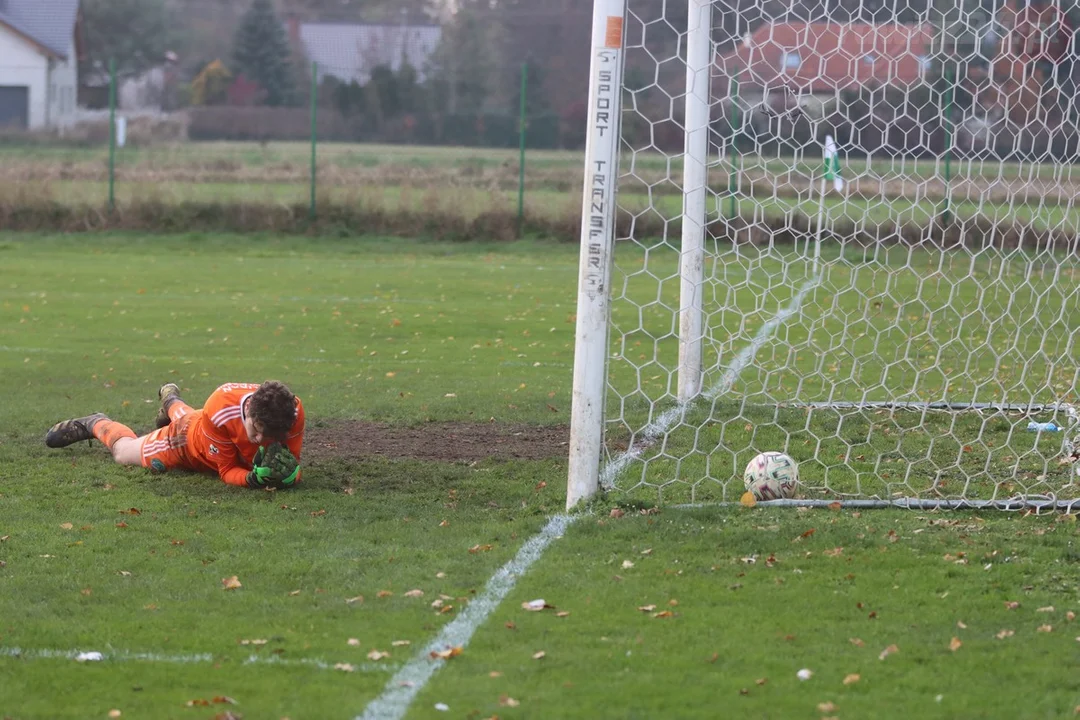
(273, 408)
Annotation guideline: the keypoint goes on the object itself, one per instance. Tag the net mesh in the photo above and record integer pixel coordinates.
(891, 258)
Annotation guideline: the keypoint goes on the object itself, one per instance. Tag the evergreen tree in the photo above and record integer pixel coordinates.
(261, 53)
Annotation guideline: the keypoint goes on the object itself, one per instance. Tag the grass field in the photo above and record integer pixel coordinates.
(473, 181)
(662, 612)
(296, 154)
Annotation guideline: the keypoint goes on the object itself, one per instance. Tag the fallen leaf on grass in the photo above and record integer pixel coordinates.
(377, 655)
(414, 593)
(66, 526)
(1046, 628)
(1011, 604)
(1070, 616)
(663, 614)
(383, 594)
(507, 701)
(131, 511)
(616, 513)
(494, 674)
(294, 593)
(888, 651)
(805, 674)
(1048, 608)
(857, 642)
(479, 548)
(852, 679)
(353, 641)
(955, 644)
(230, 583)
(121, 524)
(835, 505)
(1004, 634)
(761, 681)
(223, 700)
(834, 552)
(446, 654)
(253, 642)
(400, 643)
(748, 500)
(627, 564)
(345, 667)
(114, 713)
(318, 513)
(536, 605)
(647, 608)
(538, 655)
(826, 707)
(562, 613)
(354, 600)
(960, 624)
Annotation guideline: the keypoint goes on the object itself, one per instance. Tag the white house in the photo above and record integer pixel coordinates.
(39, 50)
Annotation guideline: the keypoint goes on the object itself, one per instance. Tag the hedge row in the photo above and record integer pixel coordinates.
(649, 229)
(282, 124)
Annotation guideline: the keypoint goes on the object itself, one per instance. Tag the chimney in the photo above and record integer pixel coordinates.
(294, 28)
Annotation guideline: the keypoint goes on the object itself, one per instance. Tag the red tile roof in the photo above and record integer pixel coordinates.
(825, 57)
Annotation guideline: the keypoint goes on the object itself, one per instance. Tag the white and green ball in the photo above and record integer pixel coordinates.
(771, 476)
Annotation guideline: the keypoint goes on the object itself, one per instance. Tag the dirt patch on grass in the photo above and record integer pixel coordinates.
(444, 442)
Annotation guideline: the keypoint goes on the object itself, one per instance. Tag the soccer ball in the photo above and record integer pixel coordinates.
(771, 475)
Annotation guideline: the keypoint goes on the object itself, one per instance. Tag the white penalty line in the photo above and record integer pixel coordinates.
(664, 422)
(91, 657)
(403, 687)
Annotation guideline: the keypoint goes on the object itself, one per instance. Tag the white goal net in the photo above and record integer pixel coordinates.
(844, 231)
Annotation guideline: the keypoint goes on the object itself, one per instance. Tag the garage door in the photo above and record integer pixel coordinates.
(14, 106)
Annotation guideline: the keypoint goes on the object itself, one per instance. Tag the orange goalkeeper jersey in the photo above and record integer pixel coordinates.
(218, 440)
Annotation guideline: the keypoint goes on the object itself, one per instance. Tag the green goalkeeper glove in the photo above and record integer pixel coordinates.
(273, 466)
(259, 476)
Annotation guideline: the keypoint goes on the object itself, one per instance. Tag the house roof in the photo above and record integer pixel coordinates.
(826, 57)
(50, 24)
(351, 52)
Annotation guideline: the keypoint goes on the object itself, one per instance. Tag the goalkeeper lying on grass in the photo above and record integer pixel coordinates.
(249, 435)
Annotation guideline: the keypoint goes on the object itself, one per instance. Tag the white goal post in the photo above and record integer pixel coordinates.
(854, 240)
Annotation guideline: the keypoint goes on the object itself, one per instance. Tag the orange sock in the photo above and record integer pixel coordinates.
(177, 409)
(109, 431)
